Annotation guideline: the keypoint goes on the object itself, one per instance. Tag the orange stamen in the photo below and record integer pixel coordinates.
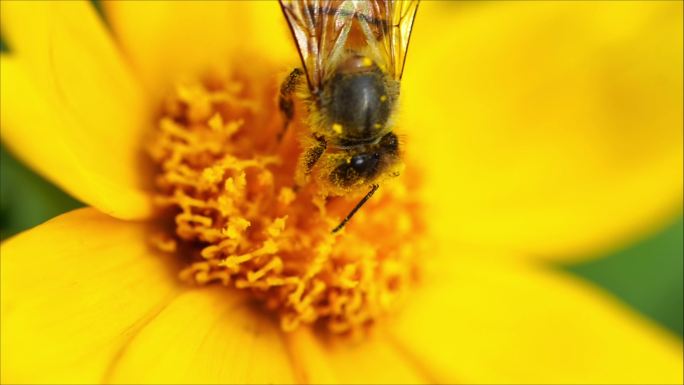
(230, 183)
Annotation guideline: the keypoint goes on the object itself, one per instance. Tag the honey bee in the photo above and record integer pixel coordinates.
(353, 54)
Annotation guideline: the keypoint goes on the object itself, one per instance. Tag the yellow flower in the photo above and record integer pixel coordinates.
(541, 132)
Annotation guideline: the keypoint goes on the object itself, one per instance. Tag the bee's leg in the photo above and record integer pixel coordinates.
(309, 159)
(286, 100)
(356, 208)
(314, 154)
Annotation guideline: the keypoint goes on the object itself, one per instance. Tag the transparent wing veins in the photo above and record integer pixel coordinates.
(322, 30)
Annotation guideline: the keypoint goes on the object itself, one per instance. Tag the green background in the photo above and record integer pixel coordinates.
(647, 275)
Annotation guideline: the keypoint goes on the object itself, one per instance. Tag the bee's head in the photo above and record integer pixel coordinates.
(367, 163)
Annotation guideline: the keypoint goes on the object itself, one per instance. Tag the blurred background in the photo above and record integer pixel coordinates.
(645, 272)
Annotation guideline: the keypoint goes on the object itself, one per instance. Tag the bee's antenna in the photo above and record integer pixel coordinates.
(356, 208)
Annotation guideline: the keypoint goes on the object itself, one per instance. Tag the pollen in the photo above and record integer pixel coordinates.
(238, 219)
(337, 128)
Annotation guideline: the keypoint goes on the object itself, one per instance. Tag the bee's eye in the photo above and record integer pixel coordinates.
(365, 163)
(359, 168)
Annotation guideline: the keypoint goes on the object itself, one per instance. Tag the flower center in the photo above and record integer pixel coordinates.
(230, 185)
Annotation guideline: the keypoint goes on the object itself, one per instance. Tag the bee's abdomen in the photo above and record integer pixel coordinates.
(359, 104)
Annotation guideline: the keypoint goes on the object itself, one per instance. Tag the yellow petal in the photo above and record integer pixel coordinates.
(70, 107)
(551, 128)
(371, 360)
(493, 321)
(75, 290)
(170, 39)
(209, 335)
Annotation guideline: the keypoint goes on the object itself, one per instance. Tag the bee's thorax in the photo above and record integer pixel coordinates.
(358, 100)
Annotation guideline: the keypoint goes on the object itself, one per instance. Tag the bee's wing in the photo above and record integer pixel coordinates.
(325, 29)
(402, 14)
(386, 27)
(320, 30)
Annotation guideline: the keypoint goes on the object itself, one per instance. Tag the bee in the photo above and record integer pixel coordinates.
(353, 54)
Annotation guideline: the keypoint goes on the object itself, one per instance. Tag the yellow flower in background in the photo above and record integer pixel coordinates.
(539, 131)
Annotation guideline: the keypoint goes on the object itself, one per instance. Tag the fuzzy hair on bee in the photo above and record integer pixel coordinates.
(353, 55)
